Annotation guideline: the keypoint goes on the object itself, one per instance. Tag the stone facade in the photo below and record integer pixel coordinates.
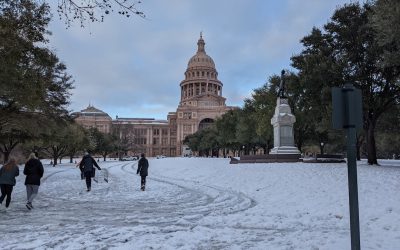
(93, 117)
(200, 104)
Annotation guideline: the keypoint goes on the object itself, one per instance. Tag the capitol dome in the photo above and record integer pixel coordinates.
(201, 86)
(201, 59)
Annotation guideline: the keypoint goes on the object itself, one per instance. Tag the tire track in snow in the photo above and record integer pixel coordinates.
(196, 201)
(167, 206)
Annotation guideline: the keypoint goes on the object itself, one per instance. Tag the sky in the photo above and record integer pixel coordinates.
(132, 67)
(205, 203)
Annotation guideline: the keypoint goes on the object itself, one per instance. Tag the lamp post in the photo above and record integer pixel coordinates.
(243, 147)
(322, 148)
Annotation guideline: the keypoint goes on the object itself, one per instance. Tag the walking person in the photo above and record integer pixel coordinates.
(143, 166)
(7, 180)
(34, 172)
(88, 170)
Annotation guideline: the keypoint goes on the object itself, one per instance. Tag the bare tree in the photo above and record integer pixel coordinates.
(95, 10)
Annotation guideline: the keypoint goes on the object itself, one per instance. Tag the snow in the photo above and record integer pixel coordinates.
(206, 203)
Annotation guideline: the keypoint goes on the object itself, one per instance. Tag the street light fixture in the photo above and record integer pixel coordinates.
(322, 148)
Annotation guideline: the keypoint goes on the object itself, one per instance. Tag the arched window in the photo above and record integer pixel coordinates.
(205, 123)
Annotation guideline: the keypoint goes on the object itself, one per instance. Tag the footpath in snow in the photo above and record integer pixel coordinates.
(205, 203)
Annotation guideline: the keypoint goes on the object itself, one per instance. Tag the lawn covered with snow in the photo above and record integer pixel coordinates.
(206, 203)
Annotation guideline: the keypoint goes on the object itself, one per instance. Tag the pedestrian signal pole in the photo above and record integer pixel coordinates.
(347, 114)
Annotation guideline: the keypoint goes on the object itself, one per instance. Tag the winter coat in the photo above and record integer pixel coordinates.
(8, 177)
(33, 171)
(143, 165)
(87, 163)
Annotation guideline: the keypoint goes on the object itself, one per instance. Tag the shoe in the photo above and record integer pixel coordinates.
(88, 190)
(29, 205)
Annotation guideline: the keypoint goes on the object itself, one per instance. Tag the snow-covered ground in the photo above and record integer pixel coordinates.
(204, 203)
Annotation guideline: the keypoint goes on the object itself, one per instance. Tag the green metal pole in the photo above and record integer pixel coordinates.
(353, 188)
(352, 172)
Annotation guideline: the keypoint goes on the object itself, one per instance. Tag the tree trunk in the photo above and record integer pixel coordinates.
(7, 149)
(371, 147)
(71, 159)
(360, 141)
(6, 156)
(54, 161)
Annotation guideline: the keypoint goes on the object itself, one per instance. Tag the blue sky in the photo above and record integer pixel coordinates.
(132, 67)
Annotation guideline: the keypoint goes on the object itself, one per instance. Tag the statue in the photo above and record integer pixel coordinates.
(281, 92)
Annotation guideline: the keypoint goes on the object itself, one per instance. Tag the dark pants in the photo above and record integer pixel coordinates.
(143, 181)
(88, 176)
(6, 190)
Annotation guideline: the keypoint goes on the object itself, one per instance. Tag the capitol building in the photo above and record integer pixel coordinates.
(201, 102)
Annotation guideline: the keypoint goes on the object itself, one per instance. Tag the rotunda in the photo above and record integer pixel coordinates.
(201, 97)
(201, 81)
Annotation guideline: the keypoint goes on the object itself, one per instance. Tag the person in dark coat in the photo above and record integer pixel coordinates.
(7, 180)
(34, 172)
(142, 169)
(86, 166)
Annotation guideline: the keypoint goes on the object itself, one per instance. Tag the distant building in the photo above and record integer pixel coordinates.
(200, 104)
(93, 117)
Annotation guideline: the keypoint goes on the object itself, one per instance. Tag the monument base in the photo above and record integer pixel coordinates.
(266, 158)
(285, 150)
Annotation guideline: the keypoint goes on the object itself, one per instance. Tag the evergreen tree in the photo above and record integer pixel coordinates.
(34, 84)
(348, 52)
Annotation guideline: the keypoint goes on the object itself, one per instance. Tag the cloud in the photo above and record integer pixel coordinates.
(132, 67)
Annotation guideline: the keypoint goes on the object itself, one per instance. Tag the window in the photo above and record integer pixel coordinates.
(164, 131)
(187, 128)
(173, 132)
(139, 131)
(156, 131)
(164, 141)
(156, 141)
(140, 141)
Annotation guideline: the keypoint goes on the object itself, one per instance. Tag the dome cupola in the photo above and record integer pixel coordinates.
(201, 59)
(201, 86)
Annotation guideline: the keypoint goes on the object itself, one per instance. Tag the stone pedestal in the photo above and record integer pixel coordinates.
(283, 121)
